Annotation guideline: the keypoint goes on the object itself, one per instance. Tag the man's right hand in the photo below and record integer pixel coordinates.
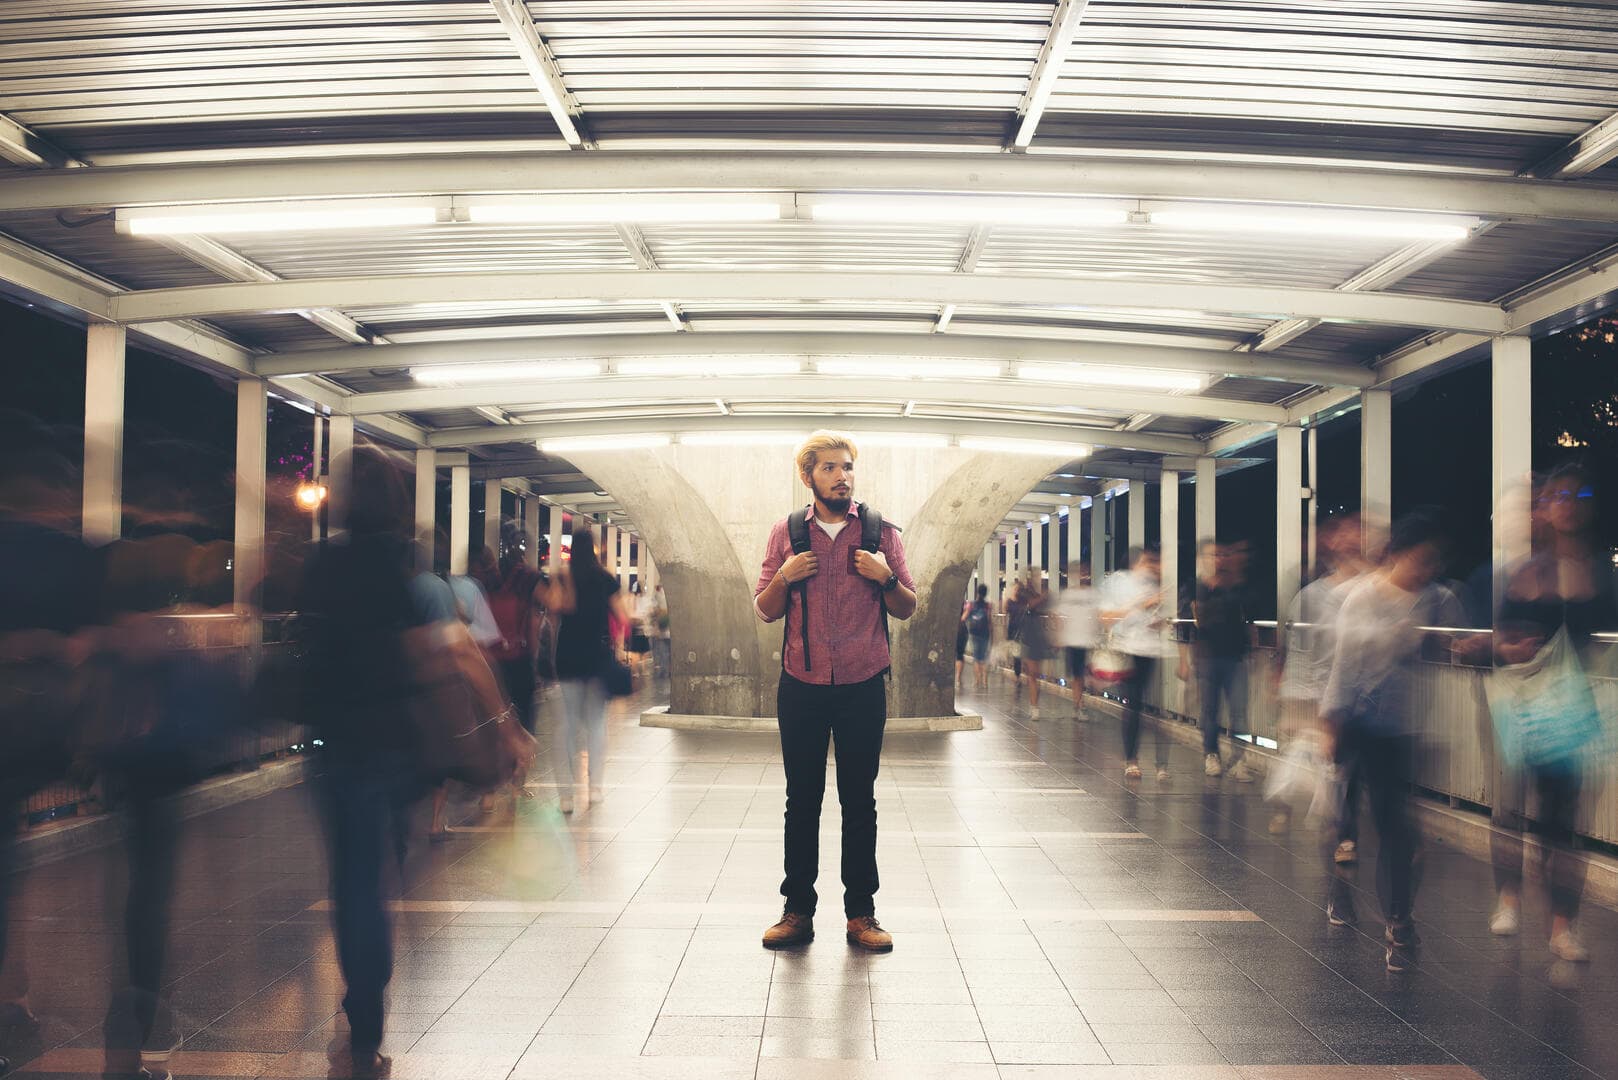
(799, 567)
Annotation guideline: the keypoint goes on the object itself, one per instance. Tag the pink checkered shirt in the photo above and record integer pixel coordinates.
(845, 615)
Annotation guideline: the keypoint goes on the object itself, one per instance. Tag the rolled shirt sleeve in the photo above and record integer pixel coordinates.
(776, 550)
(893, 549)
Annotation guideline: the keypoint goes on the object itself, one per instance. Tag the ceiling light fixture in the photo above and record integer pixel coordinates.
(1024, 446)
(275, 217)
(965, 210)
(601, 442)
(711, 365)
(487, 373)
(741, 438)
(1100, 375)
(1304, 223)
(622, 209)
(892, 368)
(902, 440)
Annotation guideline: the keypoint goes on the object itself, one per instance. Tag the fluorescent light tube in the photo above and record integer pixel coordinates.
(272, 217)
(902, 439)
(486, 373)
(713, 365)
(909, 369)
(602, 442)
(741, 438)
(1024, 446)
(1371, 226)
(1100, 375)
(965, 210)
(627, 209)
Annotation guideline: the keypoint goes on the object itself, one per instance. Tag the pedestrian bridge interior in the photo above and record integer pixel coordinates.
(609, 263)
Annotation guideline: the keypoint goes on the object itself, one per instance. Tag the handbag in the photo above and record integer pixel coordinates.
(1108, 666)
(1544, 711)
(616, 676)
(453, 740)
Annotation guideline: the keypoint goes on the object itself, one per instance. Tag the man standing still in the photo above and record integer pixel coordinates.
(832, 684)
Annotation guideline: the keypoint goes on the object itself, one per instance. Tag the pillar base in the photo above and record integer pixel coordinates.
(660, 717)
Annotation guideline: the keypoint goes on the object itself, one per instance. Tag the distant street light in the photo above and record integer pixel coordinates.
(310, 496)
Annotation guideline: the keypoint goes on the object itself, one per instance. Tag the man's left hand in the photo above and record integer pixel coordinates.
(872, 565)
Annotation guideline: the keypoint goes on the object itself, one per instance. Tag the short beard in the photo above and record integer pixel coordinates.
(836, 506)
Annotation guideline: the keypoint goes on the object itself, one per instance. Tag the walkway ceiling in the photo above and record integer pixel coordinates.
(1150, 230)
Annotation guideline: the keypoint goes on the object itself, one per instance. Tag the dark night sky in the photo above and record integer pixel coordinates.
(181, 423)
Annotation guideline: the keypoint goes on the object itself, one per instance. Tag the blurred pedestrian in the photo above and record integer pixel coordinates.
(1015, 607)
(1559, 597)
(1080, 610)
(1036, 642)
(659, 631)
(978, 621)
(1221, 646)
(586, 599)
(1367, 710)
(1131, 607)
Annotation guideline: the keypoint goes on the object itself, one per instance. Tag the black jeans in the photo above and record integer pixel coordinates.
(1222, 679)
(1134, 691)
(358, 798)
(518, 676)
(1387, 767)
(854, 715)
(1558, 789)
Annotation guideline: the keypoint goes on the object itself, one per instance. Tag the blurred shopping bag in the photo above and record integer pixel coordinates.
(1544, 711)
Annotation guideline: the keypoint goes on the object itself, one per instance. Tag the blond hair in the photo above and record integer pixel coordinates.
(820, 441)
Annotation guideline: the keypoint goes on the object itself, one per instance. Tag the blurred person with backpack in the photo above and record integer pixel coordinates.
(978, 621)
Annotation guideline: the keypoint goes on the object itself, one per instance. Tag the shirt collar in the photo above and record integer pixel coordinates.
(809, 512)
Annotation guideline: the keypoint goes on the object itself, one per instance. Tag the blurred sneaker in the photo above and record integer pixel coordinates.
(1240, 773)
(1341, 913)
(1162, 773)
(1505, 922)
(567, 804)
(1565, 946)
(1211, 765)
(1347, 852)
(1401, 944)
(1033, 712)
(1280, 822)
(1132, 771)
(597, 795)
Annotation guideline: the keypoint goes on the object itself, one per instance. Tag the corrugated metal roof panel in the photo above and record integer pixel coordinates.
(131, 262)
(435, 249)
(1507, 257)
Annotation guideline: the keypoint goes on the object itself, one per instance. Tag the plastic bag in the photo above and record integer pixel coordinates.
(1544, 711)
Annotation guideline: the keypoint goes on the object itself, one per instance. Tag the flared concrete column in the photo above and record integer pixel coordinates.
(340, 482)
(460, 517)
(1288, 517)
(1207, 500)
(103, 509)
(530, 526)
(247, 555)
(426, 508)
(491, 516)
(1513, 457)
(1376, 464)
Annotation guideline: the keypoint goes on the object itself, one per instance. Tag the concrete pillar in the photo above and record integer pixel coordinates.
(1168, 534)
(530, 526)
(460, 517)
(1207, 503)
(1137, 516)
(1098, 537)
(1376, 464)
(491, 516)
(1288, 517)
(340, 479)
(1513, 452)
(317, 470)
(247, 555)
(103, 435)
(426, 508)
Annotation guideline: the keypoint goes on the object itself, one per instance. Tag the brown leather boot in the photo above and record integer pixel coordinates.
(793, 929)
(868, 934)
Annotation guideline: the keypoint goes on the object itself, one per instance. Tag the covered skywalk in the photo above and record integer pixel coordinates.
(614, 258)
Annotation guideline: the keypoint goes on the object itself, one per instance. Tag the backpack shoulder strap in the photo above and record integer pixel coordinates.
(798, 531)
(870, 528)
(798, 537)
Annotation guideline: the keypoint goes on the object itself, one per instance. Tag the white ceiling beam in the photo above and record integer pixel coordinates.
(1553, 305)
(1047, 70)
(976, 241)
(612, 172)
(821, 343)
(23, 146)
(809, 420)
(1588, 151)
(542, 68)
(809, 388)
(721, 286)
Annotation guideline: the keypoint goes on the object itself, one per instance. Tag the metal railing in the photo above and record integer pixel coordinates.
(1457, 760)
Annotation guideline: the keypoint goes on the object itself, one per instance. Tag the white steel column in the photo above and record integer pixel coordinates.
(491, 516)
(460, 517)
(609, 549)
(340, 484)
(103, 435)
(997, 586)
(317, 470)
(1137, 517)
(1207, 502)
(530, 526)
(1098, 537)
(426, 508)
(1376, 462)
(1312, 485)
(553, 539)
(1168, 538)
(1513, 451)
(1036, 551)
(1060, 557)
(247, 554)
(1288, 516)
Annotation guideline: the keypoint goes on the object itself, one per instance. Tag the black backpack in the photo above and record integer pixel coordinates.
(798, 535)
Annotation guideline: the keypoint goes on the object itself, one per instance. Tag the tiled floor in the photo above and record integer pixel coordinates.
(1050, 922)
